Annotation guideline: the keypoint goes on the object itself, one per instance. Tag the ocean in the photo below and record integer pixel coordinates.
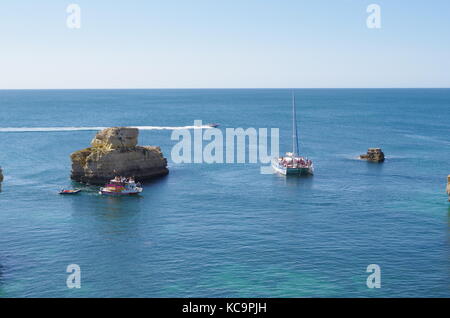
(226, 230)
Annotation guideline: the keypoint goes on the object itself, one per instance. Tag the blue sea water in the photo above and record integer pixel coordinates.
(225, 230)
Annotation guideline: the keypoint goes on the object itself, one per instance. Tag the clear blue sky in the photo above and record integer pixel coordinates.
(224, 44)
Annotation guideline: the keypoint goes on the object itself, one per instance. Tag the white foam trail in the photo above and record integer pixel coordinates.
(56, 129)
(428, 138)
(170, 128)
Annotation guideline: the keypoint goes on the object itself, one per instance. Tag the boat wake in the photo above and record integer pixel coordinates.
(60, 129)
(428, 138)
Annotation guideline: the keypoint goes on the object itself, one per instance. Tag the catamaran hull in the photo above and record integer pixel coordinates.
(293, 171)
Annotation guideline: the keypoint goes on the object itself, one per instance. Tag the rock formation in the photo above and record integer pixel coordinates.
(1, 179)
(373, 154)
(114, 151)
(448, 187)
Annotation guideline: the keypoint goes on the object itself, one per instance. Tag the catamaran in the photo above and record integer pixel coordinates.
(292, 163)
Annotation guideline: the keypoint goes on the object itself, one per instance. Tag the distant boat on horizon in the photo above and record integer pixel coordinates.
(292, 163)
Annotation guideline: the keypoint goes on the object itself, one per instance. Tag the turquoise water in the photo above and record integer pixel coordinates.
(225, 229)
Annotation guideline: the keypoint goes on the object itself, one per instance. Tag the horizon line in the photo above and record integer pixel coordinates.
(219, 88)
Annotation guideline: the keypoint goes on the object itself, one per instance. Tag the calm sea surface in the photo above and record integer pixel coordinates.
(225, 229)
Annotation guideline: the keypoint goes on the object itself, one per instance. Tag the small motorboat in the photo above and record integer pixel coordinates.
(121, 186)
(74, 191)
(213, 125)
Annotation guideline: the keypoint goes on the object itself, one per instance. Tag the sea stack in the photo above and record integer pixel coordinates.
(114, 152)
(374, 155)
(448, 187)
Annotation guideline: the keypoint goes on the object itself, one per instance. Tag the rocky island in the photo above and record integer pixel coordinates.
(448, 187)
(114, 151)
(374, 155)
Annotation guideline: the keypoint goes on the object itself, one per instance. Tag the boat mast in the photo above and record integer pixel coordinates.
(294, 128)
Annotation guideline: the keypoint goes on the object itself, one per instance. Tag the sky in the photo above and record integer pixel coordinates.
(224, 44)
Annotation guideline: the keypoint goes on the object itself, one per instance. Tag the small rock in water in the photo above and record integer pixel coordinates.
(1, 178)
(448, 187)
(373, 154)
